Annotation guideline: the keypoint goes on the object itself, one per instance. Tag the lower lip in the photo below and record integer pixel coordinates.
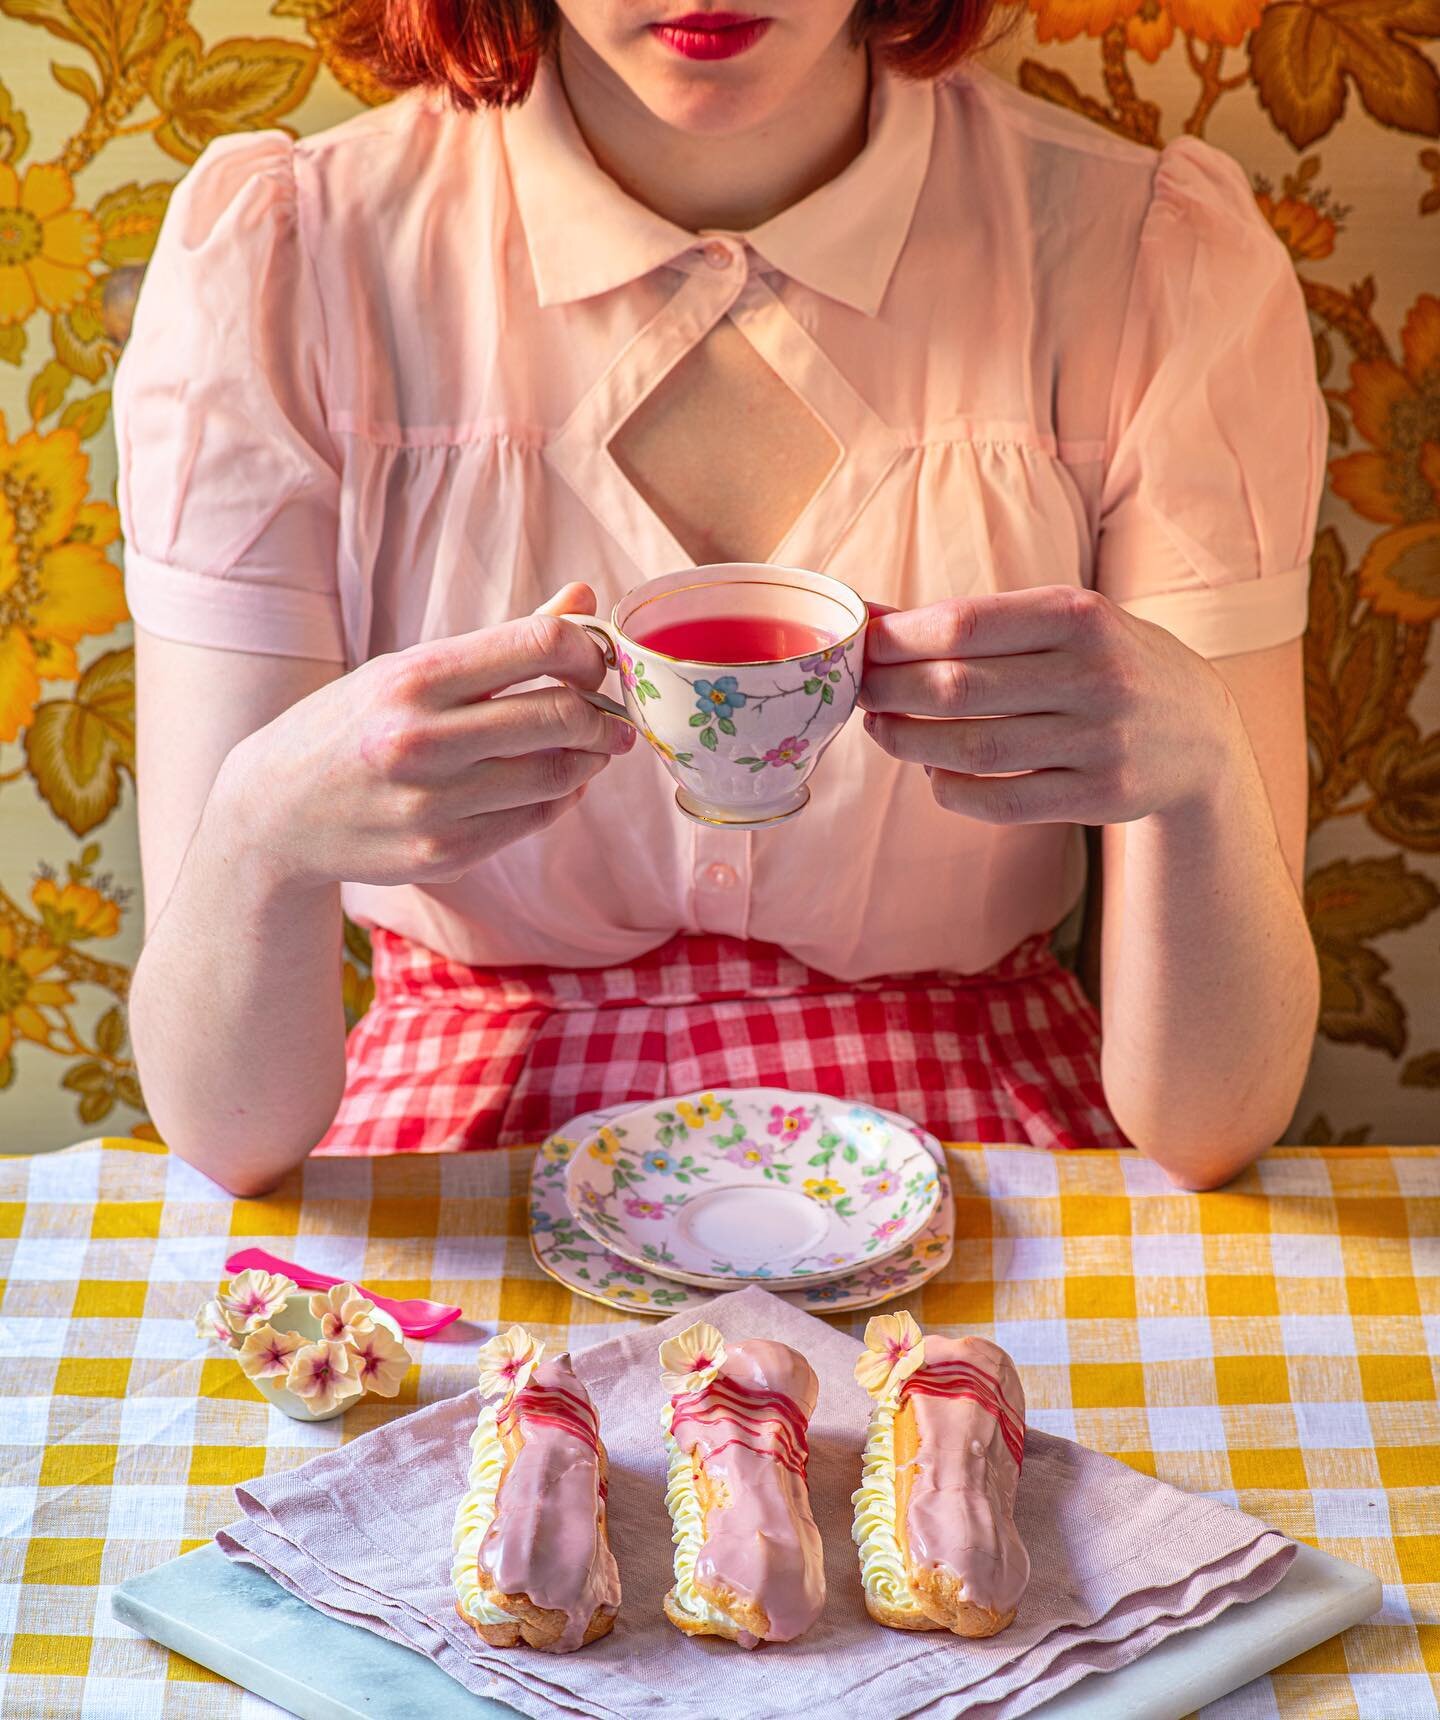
(712, 44)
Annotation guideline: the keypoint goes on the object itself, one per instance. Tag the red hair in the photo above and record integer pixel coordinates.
(485, 52)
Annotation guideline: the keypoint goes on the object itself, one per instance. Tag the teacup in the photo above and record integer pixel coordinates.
(740, 738)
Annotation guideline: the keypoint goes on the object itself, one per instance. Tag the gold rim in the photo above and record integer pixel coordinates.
(755, 663)
(744, 823)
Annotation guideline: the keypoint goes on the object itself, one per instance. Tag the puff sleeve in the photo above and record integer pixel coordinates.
(1217, 430)
(228, 477)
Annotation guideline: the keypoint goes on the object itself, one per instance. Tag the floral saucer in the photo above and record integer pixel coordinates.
(567, 1254)
(752, 1185)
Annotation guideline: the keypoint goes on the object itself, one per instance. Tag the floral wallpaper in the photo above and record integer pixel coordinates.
(1332, 106)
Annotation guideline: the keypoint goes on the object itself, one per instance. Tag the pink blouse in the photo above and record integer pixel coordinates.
(373, 374)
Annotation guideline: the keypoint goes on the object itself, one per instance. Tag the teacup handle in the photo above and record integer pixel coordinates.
(603, 635)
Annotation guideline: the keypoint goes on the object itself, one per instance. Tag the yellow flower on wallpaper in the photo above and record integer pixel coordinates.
(46, 247)
(1396, 407)
(72, 912)
(1150, 25)
(56, 583)
(24, 995)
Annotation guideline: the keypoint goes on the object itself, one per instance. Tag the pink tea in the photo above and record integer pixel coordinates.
(736, 639)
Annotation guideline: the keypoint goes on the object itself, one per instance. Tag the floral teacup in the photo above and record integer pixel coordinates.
(741, 740)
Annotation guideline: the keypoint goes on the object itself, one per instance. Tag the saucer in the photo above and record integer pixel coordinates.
(752, 1185)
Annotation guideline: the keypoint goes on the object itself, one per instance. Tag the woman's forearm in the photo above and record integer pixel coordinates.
(1210, 987)
(235, 1009)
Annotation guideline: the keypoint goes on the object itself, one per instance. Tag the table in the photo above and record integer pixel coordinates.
(1274, 1343)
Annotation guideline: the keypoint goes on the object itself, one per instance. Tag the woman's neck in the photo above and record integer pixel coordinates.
(733, 181)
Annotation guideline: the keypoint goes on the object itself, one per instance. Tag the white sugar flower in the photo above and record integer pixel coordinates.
(379, 1361)
(255, 1298)
(266, 1354)
(690, 1361)
(507, 1362)
(213, 1322)
(343, 1313)
(894, 1348)
(320, 1375)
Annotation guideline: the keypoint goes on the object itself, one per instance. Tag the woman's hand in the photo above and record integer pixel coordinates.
(1110, 717)
(418, 764)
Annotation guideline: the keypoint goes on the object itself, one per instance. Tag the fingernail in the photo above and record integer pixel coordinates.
(628, 737)
(869, 722)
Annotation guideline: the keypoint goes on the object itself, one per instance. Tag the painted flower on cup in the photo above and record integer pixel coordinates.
(557, 1150)
(822, 1188)
(379, 1360)
(254, 1298)
(823, 661)
(754, 1154)
(507, 1361)
(213, 1322)
(320, 1376)
(719, 698)
(689, 1361)
(591, 1198)
(638, 1207)
(659, 1162)
(894, 1349)
(706, 1109)
(267, 1354)
(605, 1146)
(826, 1293)
(615, 1264)
(787, 751)
(626, 664)
(877, 1187)
(883, 1231)
(343, 1313)
(629, 1293)
(788, 1124)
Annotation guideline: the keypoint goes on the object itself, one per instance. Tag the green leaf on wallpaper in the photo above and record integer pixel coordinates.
(1422, 1071)
(110, 1031)
(76, 748)
(87, 415)
(242, 84)
(48, 388)
(14, 130)
(12, 343)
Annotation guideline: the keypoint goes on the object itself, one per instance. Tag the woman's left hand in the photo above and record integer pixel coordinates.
(1110, 717)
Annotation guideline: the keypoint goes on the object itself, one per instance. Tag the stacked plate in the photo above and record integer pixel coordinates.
(657, 1207)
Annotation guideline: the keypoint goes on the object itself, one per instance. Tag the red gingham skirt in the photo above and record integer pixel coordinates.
(451, 1058)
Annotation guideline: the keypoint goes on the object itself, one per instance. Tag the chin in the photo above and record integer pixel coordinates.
(693, 99)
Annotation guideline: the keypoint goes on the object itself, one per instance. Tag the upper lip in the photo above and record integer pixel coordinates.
(708, 21)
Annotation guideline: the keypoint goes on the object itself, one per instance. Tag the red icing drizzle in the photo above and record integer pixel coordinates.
(955, 1379)
(553, 1407)
(756, 1413)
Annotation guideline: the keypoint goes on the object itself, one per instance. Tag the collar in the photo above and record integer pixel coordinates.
(586, 235)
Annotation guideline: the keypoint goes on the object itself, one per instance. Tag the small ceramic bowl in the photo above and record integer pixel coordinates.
(295, 1316)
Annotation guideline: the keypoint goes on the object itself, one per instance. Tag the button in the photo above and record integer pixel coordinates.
(719, 876)
(718, 254)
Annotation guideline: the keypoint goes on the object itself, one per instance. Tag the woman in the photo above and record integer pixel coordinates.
(603, 294)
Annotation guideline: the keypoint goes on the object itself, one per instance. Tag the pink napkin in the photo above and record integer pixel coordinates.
(1119, 1561)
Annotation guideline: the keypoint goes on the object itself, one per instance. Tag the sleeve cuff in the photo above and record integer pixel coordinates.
(232, 614)
(1223, 620)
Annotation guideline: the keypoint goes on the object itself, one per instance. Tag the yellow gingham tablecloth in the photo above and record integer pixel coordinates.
(1273, 1344)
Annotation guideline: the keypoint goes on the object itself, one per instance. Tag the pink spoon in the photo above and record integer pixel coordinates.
(417, 1319)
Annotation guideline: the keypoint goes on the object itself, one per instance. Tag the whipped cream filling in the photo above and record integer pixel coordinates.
(473, 1516)
(875, 1530)
(682, 1500)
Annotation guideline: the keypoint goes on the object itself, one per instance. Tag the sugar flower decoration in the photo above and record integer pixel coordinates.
(690, 1361)
(320, 1376)
(507, 1362)
(255, 1298)
(212, 1322)
(379, 1361)
(894, 1349)
(343, 1313)
(266, 1354)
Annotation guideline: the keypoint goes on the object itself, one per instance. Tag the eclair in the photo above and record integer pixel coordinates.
(532, 1556)
(935, 1509)
(748, 1560)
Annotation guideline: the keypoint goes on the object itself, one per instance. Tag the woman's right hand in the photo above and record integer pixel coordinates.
(418, 764)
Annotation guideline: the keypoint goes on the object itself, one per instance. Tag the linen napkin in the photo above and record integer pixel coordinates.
(1119, 1561)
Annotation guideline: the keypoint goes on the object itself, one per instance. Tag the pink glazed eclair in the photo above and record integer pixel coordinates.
(935, 1509)
(748, 1560)
(532, 1556)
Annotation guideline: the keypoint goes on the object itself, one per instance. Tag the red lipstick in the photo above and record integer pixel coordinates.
(711, 35)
